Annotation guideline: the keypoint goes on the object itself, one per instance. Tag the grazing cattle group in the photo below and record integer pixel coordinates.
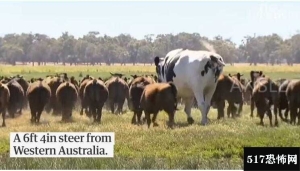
(194, 78)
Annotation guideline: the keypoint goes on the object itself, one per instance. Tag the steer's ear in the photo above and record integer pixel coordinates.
(156, 60)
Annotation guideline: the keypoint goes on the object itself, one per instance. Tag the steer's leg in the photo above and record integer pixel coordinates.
(202, 106)
(207, 103)
(187, 109)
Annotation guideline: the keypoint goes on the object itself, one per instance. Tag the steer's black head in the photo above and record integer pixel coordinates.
(217, 64)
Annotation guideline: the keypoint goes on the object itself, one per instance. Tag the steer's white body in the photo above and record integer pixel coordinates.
(190, 82)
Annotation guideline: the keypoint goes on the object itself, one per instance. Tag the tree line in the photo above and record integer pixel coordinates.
(94, 48)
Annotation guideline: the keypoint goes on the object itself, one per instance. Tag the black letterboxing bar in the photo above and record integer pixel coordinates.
(271, 158)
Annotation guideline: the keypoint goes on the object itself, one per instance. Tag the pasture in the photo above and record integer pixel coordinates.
(218, 145)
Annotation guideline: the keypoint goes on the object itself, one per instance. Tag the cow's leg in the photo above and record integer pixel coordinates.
(275, 110)
(221, 106)
(147, 116)
(233, 111)
(171, 120)
(206, 106)
(298, 114)
(21, 106)
(39, 116)
(93, 113)
(228, 110)
(286, 113)
(261, 112)
(99, 113)
(187, 109)
(202, 107)
(120, 106)
(81, 111)
(294, 111)
(33, 116)
(269, 113)
(252, 107)
(240, 109)
(112, 106)
(139, 116)
(133, 120)
(154, 119)
(280, 108)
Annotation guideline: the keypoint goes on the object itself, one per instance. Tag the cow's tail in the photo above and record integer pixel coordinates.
(95, 91)
(174, 92)
(44, 94)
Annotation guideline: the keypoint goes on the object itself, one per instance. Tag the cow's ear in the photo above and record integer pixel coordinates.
(156, 60)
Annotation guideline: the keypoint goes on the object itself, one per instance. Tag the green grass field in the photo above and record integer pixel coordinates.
(218, 145)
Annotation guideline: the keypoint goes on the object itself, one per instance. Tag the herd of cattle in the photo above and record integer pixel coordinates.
(60, 94)
(194, 78)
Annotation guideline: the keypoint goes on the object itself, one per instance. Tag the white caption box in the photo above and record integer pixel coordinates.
(62, 144)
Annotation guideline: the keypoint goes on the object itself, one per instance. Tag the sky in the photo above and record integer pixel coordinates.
(229, 19)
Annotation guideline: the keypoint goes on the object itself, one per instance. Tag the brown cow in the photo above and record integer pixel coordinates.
(95, 95)
(157, 97)
(264, 95)
(242, 81)
(53, 83)
(135, 93)
(231, 90)
(16, 97)
(38, 94)
(118, 92)
(254, 75)
(4, 101)
(83, 83)
(293, 97)
(66, 94)
(283, 102)
(24, 84)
